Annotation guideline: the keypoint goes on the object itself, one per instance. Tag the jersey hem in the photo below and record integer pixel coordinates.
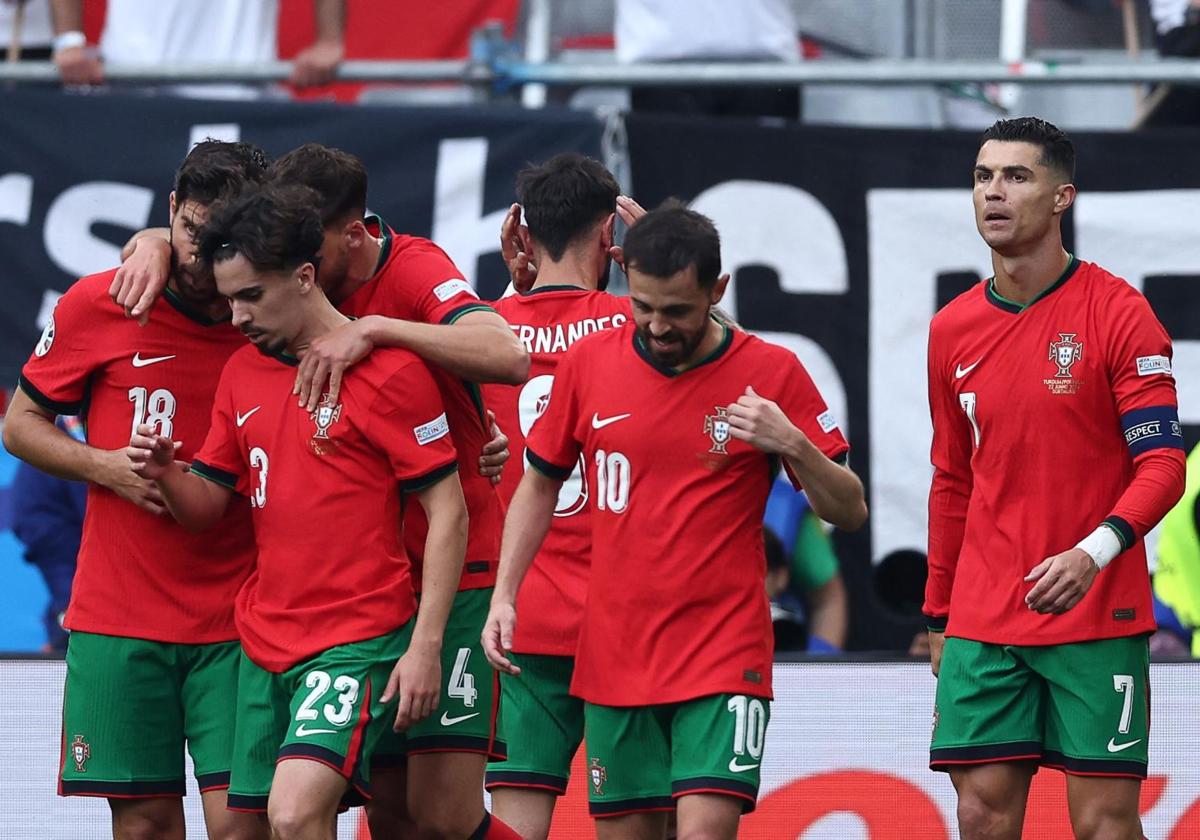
(214, 474)
(546, 468)
(34, 393)
(427, 480)
(1140, 629)
(190, 639)
(454, 314)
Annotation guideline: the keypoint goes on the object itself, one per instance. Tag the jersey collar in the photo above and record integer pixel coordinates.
(998, 300)
(181, 306)
(644, 352)
(386, 233)
(559, 287)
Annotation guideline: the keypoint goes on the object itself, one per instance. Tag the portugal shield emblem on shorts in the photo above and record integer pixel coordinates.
(1065, 352)
(716, 426)
(80, 753)
(598, 775)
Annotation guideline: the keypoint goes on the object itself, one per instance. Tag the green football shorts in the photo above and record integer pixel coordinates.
(130, 705)
(468, 710)
(325, 709)
(644, 758)
(543, 725)
(1083, 708)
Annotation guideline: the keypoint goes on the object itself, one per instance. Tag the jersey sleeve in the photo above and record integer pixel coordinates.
(440, 293)
(553, 443)
(222, 458)
(407, 421)
(57, 372)
(950, 491)
(805, 407)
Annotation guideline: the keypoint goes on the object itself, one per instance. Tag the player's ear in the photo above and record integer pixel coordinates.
(355, 233)
(306, 276)
(606, 231)
(718, 290)
(1064, 197)
(171, 209)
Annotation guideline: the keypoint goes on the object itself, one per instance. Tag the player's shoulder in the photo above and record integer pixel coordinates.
(408, 251)
(962, 307)
(92, 290)
(1098, 281)
(764, 356)
(384, 363)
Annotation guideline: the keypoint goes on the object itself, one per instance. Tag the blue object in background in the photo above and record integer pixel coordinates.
(23, 595)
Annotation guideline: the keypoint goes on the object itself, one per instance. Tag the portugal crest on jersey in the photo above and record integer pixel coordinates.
(716, 426)
(80, 753)
(325, 416)
(1065, 352)
(598, 775)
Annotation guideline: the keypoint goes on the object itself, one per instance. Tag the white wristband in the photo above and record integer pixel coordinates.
(68, 41)
(1102, 545)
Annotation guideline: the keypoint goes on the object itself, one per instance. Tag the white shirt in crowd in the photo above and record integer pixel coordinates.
(189, 31)
(667, 30)
(36, 30)
(1168, 14)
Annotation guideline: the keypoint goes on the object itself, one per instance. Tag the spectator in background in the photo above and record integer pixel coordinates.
(1177, 577)
(25, 31)
(807, 567)
(217, 32)
(47, 517)
(710, 30)
(1177, 35)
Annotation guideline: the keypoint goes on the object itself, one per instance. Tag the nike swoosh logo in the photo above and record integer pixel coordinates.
(450, 721)
(302, 731)
(597, 423)
(242, 418)
(1112, 748)
(960, 371)
(139, 362)
(734, 767)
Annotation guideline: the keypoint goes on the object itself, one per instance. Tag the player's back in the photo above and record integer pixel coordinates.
(325, 488)
(116, 374)
(547, 321)
(417, 281)
(1037, 397)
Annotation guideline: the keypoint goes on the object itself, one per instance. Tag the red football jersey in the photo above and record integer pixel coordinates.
(416, 281)
(676, 606)
(140, 575)
(1031, 410)
(548, 320)
(325, 489)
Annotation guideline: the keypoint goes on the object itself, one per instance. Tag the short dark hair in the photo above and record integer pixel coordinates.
(338, 178)
(670, 238)
(564, 198)
(1058, 152)
(274, 226)
(215, 169)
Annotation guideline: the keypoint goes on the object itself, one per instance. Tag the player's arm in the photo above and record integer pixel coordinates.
(196, 503)
(525, 526)
(834, 491)
(30, 434)
(316, 63)
(417, 679)
(76, 65)
(829, 611)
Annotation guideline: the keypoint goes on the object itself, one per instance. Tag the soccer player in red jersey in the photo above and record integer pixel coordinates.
(679, 420)
(570, 204)
(152, 658)
(328, 611)
(1056, 447)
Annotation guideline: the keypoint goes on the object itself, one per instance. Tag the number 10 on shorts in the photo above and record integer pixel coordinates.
(750, 725)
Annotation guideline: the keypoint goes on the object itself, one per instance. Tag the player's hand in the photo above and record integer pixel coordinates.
(628, 211)
(140, 280)
(515, 248)
(326, 361)
(937, 641)
(120, 475)
(79, 66)
(1062, 581)
(761, 423)
(497, 636)
(416, 680)
(316, 64)
(495, 451)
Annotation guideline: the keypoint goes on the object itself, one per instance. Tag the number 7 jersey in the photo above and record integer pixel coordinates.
(139, 574)
(676, 605)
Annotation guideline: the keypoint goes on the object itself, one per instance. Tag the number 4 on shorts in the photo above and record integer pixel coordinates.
(462, 681)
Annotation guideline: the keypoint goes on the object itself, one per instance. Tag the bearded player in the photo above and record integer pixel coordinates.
(329, 608)
(1056, 447)
(679, 420)
(152, 658)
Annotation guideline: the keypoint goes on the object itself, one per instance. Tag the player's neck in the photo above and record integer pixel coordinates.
(364, 262)
(321, 317)
(574, 269)
(1024, 277)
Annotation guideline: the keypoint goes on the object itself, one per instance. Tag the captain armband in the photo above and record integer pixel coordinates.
(1152, 428)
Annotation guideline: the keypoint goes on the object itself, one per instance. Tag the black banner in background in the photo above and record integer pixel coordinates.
(843, 243)
(79, 174)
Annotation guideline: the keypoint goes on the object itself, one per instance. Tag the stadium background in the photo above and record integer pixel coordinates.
(843, 239)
